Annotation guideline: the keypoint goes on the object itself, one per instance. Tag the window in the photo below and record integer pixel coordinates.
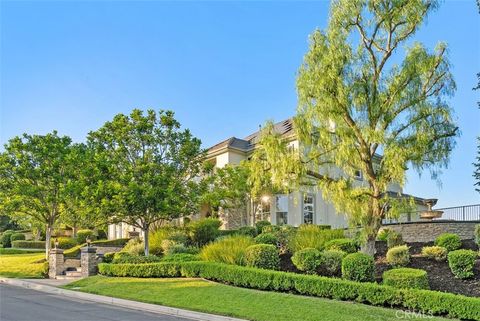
(263, 211)
(358, 174)
(308, 209)
(281, 209)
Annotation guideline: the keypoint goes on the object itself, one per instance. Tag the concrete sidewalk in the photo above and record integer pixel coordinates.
(51, 287)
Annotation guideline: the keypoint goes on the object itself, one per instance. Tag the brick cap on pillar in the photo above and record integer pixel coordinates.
(87, 249)
(56, 251)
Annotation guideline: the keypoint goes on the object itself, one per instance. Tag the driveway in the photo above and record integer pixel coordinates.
(20, 304)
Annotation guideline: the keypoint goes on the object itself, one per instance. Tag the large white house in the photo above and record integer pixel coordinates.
(298, 207)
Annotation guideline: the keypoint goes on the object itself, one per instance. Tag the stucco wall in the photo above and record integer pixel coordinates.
(428, 231)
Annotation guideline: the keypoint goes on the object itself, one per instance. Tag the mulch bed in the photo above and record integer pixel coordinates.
(440, 277)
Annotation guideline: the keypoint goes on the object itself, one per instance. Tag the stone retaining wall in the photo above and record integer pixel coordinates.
(428, 231)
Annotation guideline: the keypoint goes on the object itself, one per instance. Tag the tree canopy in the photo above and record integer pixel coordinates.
(367, 105)
(149, 168)
(35, 174)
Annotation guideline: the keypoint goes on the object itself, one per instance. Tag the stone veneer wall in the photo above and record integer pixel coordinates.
(429, 230)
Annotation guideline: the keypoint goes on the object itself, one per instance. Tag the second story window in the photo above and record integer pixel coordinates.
(358, 174)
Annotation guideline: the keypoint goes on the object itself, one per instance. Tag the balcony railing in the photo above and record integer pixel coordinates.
(456, 213)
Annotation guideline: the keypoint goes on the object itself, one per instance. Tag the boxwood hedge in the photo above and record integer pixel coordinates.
(426, 301)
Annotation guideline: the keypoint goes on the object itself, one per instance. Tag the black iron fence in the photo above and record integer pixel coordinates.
(461, 213)
(456, 213)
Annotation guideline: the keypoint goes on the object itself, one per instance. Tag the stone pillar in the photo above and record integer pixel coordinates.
(55, 263)
(89, 261)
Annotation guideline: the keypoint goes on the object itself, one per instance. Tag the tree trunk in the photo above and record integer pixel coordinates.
(369, 246)
(48, 237)
(74, 231)
(145, 241)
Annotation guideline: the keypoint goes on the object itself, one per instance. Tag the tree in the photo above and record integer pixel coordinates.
(359, 96)
(149, 166)
(34, 173)
(227, 191)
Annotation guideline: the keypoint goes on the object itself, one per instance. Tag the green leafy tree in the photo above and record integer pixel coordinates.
(149, 168)
(227, 191)
(361, 95)
(35, 171)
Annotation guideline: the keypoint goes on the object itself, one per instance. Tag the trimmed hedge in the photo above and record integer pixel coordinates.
(437, 303)
(5, 240)
(358, 267)
(398, 256)
(449, 241)
(436, 253)
(75, 251)
(28, 244)
(82, 236)
(264, 256)
(307, 260)
(17, 237)
(125, 257)
(266, 238)
(406, 278)
(461, 263)
(65, 243)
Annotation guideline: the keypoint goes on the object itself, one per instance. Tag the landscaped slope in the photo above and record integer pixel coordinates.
(205, 296)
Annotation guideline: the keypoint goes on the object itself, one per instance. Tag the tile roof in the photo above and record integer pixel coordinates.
(246, 144)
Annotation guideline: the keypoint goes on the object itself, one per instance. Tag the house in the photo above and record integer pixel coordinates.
(298, 207)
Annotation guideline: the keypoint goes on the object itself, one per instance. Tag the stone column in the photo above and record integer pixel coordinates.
(55, 263)
(89, 261)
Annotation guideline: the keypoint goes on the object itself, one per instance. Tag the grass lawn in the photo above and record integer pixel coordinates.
(205, 296)
(22, 265)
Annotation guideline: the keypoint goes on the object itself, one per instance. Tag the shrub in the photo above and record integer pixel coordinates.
(461, 262)
(230, 250)
(64, 243)
(425, 301)
(28, 244)
(331, 262)
(125, 257)
(6, 241)
(285, 236)
(157, 239)
(358, 267)
(266, 238)
(394, 239)
(82, 236)
(180, 248)
(135, 247)
(102, 235)
(449, 241)
(383, 234)
(313, 236)
(75, 251)
(307, 260)
(345, 245)
(17, 237)
(180, 257)
(436, 253)
(271, 229)
(204, 231)
(263, 256)
(247, 230)
(477, 234)
(108, 257)
(398, 255)
(260, 225)
(406, 278)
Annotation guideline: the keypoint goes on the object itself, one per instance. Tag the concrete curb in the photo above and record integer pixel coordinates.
(135, 305)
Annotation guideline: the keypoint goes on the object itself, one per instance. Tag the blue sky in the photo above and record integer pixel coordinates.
(223, 67)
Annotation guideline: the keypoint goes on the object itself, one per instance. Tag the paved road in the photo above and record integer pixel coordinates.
(20, 304)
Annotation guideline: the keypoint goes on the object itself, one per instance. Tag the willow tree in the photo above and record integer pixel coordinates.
(370, 100)
(35, 172)
(148, 168)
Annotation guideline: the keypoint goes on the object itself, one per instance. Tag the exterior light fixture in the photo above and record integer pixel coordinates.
(265, 199)
(89, 241)
(56, 243)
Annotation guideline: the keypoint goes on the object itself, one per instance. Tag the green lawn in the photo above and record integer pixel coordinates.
(22, 265)
(205, 296)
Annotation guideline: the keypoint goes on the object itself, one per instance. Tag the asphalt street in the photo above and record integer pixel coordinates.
(20, 304)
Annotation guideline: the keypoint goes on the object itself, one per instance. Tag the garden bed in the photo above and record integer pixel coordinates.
(440, 276)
